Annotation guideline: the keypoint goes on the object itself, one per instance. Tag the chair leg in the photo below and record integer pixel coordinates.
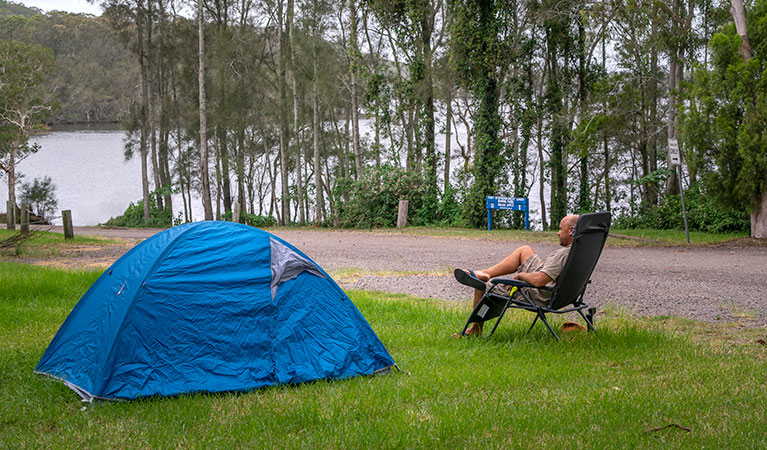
(543, 319)
(500, 317)
(588, 319)
(532, 325)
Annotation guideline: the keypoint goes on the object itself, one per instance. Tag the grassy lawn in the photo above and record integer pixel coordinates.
(512, 390)
(45, 244)
(618, 237)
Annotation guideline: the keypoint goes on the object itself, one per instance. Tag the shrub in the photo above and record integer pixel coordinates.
(373, 200)
(133, 217)
(41, 196)
(257, 221)
(702, 214)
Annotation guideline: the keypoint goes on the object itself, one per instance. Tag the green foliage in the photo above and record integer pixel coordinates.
(24, 69)
(257, 221)
(373, 200)
(703, 214)
(449, 209)
(11, 9)
(95, 76)
(725, 115)
(41, 196)
(477, 54)
(133, 217)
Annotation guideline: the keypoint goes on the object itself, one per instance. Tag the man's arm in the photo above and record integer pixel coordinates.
(537, 279)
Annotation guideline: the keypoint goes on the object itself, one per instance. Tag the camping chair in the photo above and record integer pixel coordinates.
(589, 237)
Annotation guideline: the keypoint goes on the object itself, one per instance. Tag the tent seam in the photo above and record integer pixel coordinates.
(151, 270)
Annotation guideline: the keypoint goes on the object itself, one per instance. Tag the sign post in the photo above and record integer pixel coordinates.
(509, 203)
(675, 160)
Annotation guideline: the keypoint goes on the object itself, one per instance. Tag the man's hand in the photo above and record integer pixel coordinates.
(537, 279)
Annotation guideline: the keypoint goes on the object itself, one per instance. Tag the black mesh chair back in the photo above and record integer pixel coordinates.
(589, 238)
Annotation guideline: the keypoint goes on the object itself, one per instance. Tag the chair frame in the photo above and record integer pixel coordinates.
(494, 303)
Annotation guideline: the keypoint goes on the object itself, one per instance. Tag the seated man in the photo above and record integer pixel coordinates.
(528, 267)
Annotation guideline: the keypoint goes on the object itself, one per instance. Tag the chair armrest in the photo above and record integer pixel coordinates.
(518, 284)
(511, 282)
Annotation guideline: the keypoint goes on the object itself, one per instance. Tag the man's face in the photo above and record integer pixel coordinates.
(565, 232)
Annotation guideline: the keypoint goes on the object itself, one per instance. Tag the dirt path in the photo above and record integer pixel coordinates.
(711, 284)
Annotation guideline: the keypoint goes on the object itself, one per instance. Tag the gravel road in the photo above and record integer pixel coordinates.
(710, 284)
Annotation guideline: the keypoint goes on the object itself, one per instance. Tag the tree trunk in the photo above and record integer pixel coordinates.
(347, 165)
(541, 175)
(294, 79)
(653, 120)
(448, 136)
(240, 161)
(206, 201)
(143, 102)
(217, 174)
(354, 50)
(152, 102)
(10, 213)
(283, 117)
(759, 212)
(759, 217)
(605, 149)
(584, 197)
(672, 183)
(427, 122)
(559, 129)
(738, 13)
(222, 137)
(320, 201)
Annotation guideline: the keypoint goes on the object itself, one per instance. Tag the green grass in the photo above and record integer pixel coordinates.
(619, 237)
(46, 244)
(510, 391)
(678, 237)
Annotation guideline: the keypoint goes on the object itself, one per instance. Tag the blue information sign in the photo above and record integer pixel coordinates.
(509, 203)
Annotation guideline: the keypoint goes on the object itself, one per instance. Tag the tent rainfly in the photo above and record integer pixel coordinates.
(210, 307)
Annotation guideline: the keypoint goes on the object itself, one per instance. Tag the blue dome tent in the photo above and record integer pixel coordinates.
(210, 307)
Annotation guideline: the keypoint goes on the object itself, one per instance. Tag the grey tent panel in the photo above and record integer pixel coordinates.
(287, 264)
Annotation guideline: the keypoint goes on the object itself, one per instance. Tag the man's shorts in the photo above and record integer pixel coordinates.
(532, 264)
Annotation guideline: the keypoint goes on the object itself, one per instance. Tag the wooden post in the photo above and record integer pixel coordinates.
(24, 218)
(236, 212)
(10, 215)
(402, 214)
(66, 217)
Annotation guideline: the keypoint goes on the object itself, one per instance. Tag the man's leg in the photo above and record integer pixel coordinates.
(508, 265)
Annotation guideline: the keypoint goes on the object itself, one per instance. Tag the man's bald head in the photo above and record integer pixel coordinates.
(565, 232)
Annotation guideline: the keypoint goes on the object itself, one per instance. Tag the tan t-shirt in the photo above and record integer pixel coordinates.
(552, 267)
(555, 263)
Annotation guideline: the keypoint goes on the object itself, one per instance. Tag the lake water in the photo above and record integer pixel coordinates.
(94, 180)
(89, 170)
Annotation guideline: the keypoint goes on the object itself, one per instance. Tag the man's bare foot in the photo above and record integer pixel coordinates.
(482, 275)
(473, 331)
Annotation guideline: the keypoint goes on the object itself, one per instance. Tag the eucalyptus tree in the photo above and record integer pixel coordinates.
(23, 70)
(354, 62)
(204, 176)
(520, 78)
(292, 42)
(638, 43)
(478, 54)
(129, 19)
(318, 14)
(559, 22)
(420, 30)
(734, 90)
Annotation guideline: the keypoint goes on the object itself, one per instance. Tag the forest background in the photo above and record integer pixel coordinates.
(577, 97)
